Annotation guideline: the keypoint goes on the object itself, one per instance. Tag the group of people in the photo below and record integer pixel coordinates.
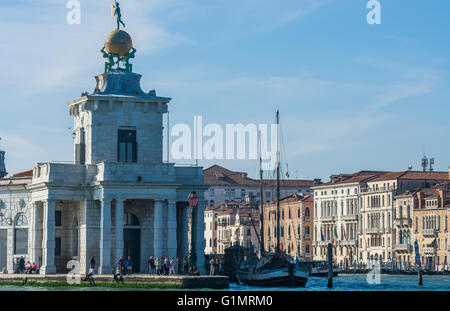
(125, 265)
(170, 266)
(21, 267)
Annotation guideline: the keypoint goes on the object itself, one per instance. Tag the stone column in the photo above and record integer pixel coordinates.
(158, 229)
(200, 236)
(48, 239)
(119, 229)
(172, 229)
(35, 232)
(105, 237)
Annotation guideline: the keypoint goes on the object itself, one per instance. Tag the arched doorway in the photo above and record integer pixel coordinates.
(132, 240)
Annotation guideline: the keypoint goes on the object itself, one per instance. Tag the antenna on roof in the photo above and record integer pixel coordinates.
(431, 164)
(424, 162)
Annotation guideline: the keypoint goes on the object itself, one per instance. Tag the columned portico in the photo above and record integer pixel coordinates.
(105, 237)
(48, 242)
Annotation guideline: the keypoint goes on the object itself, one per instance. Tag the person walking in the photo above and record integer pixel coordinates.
(212, 266)
(129, 265)
(121, 264)
(151, 265)
(166, 266)
(157, 265)
(92, 263)
(22, 265)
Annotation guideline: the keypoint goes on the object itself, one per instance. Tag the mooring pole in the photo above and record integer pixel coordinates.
(419, 275)
(330, 265)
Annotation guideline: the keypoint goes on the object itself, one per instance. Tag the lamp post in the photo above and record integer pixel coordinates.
(193, 202)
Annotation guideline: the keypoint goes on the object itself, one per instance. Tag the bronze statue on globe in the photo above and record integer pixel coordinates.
(117, 13)
(118, 46)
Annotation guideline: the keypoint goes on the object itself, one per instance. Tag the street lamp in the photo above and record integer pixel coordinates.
(193, 202)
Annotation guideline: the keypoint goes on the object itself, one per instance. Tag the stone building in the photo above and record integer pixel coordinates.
(376, 240)
(116, 198)
(15, 216)
(296, 223)
(336, 211)
(431, 226)
(229, 224)
(226, 185)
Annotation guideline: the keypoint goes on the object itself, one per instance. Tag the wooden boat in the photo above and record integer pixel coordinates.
(275, 270)
(272, 270)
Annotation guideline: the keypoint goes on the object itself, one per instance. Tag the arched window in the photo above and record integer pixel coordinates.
(131, 220)
(21, 234)
(307, 212)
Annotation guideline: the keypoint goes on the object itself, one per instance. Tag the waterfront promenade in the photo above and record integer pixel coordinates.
(187, 282)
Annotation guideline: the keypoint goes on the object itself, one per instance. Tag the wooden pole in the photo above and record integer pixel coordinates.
(419, 276)
(330, 265)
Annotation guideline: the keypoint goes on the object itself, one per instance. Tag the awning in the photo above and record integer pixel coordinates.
(428, 241)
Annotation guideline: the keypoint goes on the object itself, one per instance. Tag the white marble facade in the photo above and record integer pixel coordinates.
(118, 197)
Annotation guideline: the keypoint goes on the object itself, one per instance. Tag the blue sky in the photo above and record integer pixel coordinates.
(351, 95)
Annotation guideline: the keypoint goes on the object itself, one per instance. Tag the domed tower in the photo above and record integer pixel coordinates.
(3, 172)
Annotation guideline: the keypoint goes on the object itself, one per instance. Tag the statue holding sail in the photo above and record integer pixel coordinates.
(115, 10)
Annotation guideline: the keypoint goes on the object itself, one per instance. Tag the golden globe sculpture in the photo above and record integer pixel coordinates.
(118, 42)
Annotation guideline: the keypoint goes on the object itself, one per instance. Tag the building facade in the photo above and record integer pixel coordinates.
(296, 225)
(116, 199)
(431, 226)
(336, 217)
(231, 223)
(377, 241)
(225, 186)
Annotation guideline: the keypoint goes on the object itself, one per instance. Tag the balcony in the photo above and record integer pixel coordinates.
(306, 218)
(376, 190)
(429, 232)
(307, 236)
(429, 250)
(350, 217)
(403, 248)
(348, 243)
(403, 222)
(288, 237)
(328, 218)
(321, 243)
(298, 236)
(374, 230)
(448, 247)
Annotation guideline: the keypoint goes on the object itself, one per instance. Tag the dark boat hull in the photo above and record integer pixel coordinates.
(277, 278)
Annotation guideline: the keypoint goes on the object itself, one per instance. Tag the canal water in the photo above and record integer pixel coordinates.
(356, 282)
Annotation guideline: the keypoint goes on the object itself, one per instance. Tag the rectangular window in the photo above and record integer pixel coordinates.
(57, 218)
(127, 146)
(20, 241)
(57, 246)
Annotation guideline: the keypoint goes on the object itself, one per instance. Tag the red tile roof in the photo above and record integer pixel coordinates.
(218, 175)
(410, 175)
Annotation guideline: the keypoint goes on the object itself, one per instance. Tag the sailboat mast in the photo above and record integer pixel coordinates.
(278, 182)
(261, 200)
